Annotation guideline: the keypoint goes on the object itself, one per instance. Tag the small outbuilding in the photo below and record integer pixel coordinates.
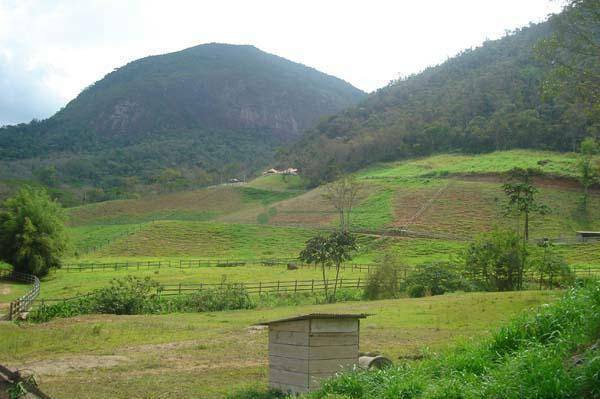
(306, 349)
(584, 236)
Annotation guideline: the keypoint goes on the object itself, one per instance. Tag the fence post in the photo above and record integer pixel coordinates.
(358, 283)
(259, 287)
(278, 282)
(296, 287)
(312, 286)
(179, 288)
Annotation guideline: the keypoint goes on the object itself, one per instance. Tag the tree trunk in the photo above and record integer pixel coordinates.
(337, 273)
(324, 281)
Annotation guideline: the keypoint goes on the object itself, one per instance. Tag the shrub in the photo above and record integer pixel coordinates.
(437, 278)
(384, 281)
(227, 297)
(416, 291)
(131, 295)
(495, 260)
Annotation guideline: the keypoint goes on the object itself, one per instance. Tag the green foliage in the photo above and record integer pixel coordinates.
(495, 260)
(384, 281)
(571, 52)
(336, 248)
(522, 195)
(589, 173)
(437, 278)
(416, 291)
(227, 297)
(551, 266)
(32, 234)
(546, 353)
(133, 295)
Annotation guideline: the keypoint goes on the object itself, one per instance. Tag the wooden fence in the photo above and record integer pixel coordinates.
(191, 263)
(267, 287)
(24, 303)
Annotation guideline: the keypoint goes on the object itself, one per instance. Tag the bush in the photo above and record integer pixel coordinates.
(228, 297)
(131, 295)
(384, 281)
(437, 278)
(134, 295)
(416, 291)
(495, 260)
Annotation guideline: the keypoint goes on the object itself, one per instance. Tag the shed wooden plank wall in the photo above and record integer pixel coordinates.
(303, 353)
(288, 356)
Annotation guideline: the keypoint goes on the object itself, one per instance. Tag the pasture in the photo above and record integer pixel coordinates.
(456, 197)
(216, 354)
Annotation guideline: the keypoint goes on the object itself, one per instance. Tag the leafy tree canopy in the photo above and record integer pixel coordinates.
(32, 233)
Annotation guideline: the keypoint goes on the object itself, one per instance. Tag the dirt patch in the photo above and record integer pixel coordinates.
(5, 289)
(66, 365)
(539, 181)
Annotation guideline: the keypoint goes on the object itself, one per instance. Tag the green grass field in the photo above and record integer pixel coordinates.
(558, 164)
(215, 354)
(64, 283)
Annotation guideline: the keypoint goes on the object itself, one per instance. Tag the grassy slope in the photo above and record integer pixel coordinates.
(183, 355)
(63, 283)
(551, 352)
(458, 203)
(495, 162)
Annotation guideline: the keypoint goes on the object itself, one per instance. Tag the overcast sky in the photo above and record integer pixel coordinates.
(51, 50)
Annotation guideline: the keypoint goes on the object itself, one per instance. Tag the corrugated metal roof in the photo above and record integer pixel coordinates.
(318, 316)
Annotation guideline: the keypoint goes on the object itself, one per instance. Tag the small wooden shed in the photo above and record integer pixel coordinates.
(306, 349)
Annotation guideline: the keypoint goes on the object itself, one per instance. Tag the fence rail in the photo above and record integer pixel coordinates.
(297, 286)
(266, 287)
(191, 263)
(24, 303)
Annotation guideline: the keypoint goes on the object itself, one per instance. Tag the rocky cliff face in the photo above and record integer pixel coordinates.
(210, 86)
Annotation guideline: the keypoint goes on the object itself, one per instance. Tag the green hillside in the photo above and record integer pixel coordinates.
(453, 196)
(494, 97)
(211, 112)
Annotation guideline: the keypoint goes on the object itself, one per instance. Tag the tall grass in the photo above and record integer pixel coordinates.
(549, 352)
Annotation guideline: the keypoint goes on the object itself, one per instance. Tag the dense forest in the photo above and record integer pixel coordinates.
(200, 115)
(521, 91)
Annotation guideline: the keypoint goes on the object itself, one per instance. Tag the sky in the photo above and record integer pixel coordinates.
(50, 50)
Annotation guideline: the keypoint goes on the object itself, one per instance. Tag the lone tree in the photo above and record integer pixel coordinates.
(588, 173)
(342, 246)
(316, 252)
(334, 249)
(32, 233)
(521, 195)
(343, 194)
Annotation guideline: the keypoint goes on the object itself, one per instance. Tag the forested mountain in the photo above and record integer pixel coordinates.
(207, 111)
(489, 98)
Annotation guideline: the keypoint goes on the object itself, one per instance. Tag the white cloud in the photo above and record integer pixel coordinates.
(50, 50)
